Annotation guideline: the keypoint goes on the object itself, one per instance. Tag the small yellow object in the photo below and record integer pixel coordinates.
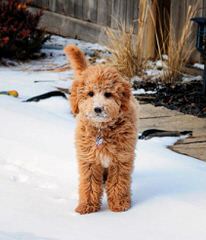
(13, 93)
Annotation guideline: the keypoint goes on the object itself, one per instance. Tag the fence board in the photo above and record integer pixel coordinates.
(178, 13)
(60, 7)
(52, 5)
(70, 9)
(129, 14)
(114, 13)
(41, 3)
(109, 15)
(104, 12)
(163, 23)
(136, 15)
(118, 15)
(78, 9)
(204, 8)
(123, 12)
(90, 10)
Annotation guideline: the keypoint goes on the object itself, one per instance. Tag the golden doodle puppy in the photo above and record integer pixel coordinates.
(106, 133)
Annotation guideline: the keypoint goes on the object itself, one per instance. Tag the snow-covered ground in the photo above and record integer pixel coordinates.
(39, 179)
(199, 65)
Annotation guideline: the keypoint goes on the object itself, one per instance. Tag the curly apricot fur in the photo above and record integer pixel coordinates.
(117, 125)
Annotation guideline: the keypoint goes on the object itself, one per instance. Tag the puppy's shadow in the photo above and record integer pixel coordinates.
(174, 184)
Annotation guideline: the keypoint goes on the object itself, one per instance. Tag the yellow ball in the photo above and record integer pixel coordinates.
(13, 93)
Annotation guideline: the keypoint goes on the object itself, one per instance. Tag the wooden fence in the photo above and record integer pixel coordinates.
(101, 12)
(86, 19)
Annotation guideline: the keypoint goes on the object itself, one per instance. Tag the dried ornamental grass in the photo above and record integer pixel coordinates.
(125, 56)
(179, 49)
(127, 48)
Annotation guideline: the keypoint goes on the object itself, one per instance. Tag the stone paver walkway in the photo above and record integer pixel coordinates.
(165, 119)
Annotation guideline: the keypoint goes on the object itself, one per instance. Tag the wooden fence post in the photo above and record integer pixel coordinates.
(147, 14)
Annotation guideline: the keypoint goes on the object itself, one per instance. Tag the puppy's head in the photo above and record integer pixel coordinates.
(98, 93)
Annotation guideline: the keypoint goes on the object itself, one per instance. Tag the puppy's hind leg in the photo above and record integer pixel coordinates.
(118, 187)
(90, 188)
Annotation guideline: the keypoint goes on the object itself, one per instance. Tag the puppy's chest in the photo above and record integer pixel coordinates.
(105, 160)
(103, 155)
(102, 147)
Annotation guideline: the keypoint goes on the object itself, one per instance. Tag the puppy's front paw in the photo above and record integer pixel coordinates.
(87, 208)
(119, 206)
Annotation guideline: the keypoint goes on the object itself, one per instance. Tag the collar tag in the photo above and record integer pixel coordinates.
(99, 141)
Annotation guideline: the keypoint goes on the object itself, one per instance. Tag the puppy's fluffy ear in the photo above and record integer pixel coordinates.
(74, 97)
(126, 94)
(77, 58)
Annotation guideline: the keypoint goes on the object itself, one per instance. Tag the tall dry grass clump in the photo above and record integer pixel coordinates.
(124, 54)
(179, 48)
(127, 48)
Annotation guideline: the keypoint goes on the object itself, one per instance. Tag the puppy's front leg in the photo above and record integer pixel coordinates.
(118, 187)
(90, 188)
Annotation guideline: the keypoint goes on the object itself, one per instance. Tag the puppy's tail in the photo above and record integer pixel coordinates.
(76, 57)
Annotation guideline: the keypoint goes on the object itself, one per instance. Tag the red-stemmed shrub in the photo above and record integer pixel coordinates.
(19, 36)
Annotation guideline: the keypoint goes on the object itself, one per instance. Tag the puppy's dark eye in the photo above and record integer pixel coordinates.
(91, 94)
(107, 94)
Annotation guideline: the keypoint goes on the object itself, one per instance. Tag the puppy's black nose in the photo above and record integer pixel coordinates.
(97, 110)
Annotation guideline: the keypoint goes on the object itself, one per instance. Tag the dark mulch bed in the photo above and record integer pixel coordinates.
(183, 97)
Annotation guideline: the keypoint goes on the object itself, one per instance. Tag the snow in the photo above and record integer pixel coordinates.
(55, 57)
(153, 72)
(142, 91)
(39, 178)
(155, 69)
(136, 79)
(199, 66)
(161, 64)
(189, 78)
(59, 42)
